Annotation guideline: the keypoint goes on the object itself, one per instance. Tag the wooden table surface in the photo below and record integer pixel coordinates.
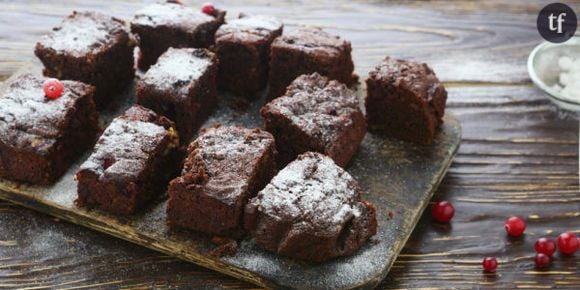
(519, 155)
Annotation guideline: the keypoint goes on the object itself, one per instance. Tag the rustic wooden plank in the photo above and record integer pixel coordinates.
(436, 256)
(513, 163)
(477, 45)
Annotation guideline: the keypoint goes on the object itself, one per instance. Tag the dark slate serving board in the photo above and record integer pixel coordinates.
(398, 177)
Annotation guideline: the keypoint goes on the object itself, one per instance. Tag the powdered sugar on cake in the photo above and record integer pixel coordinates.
(247, 26)
(125, 144)
(82, 32)
(26, 109)
(222, 149)
(312, 191)
(169, 14)
(314, 39)
(178, 68)
(318, 106)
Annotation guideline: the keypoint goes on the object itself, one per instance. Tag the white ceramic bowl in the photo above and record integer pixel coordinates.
(544, 71)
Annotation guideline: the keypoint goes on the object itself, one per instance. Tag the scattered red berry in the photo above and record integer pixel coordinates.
(443, 211)
(542, 260)
(568, 243)
(208, 8)
(53, 88)
(515, 226)
(545, 246)
(489, 264)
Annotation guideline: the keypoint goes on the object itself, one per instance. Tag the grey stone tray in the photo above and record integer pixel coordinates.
(398, 177)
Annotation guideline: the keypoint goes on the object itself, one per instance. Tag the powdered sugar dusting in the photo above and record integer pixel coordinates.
(318, 106)
(314, 39)
(27, 117)
(416, 77)
(252, 25)
(170, 14)
(258, 21)
(81, 33)
(178, 67)
(127, 144)
(312, 190)
(230, 156)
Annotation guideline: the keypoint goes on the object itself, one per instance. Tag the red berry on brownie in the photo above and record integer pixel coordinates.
(489, 264)
(208, 8)
(545, 246)
(542, 260)
(515, 226)
(568, 243)
(443, 211)
(53, 88)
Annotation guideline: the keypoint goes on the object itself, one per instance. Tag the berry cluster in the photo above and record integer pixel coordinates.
(568, 243)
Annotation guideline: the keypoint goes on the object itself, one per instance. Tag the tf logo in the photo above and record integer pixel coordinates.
(557, 22)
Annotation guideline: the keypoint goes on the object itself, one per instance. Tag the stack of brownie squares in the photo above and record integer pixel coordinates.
(285, 185)
(160, 26)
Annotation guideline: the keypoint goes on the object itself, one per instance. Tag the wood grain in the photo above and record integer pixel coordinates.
(382, 166)
(517, 156)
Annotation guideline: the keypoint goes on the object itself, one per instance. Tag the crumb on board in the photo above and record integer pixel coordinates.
(225, 247)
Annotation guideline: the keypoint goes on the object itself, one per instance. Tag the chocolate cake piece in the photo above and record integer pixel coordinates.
(306, 51)
(92, 48)
(182, 87)
(164, 25)
(131, 163)
(225, 167)
(316, 114)
(243, 48)
(311, 210)
(405, 100)
(39, 137)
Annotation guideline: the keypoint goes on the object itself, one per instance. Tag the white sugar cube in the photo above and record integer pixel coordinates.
(569, 78)
(565, 63)
(564, 79)
(575, 66)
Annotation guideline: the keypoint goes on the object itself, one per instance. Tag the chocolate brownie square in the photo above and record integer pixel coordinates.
(182, 87)
(164, 25)
(405, 100)
(92, 48)
(243, 48)
(40, 137)
(311, 210)
(306, 51)
(131, 163)
(316, 114)
(225, 167)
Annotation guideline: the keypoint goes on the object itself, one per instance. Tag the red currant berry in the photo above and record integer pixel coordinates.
(515, 226)
(568, 243)
(489, 264)
(208, 8)
(53, 88)
(542, 260)
(545, 246)
(443, 211)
